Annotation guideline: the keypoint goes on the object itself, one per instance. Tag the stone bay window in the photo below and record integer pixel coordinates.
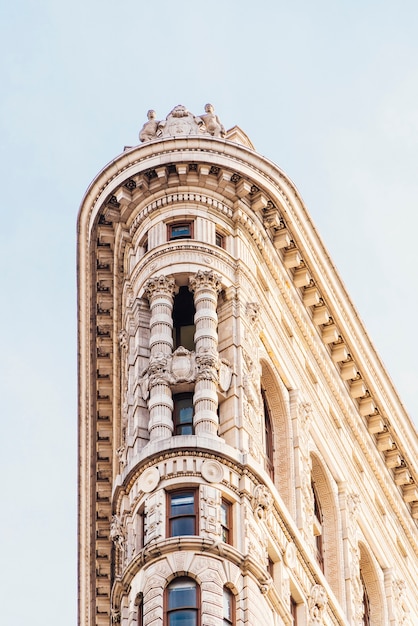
(182, 377)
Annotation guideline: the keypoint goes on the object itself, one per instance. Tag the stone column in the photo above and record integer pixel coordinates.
(160, 292)
(206, 286)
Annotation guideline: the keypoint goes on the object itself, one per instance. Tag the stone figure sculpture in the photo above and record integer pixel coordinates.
(149, 129)
(181, 122)
(212, 122)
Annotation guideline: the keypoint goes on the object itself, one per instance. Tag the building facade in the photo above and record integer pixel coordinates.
(243, 456)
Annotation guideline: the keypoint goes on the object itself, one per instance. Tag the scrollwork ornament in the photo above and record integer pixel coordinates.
(400, 609)
(262, 501)
(116, 532)
(252, 311)
(123, 340)
(207, 365)
(116, 617)
(159, 369)
(353, 503)
(317, 602)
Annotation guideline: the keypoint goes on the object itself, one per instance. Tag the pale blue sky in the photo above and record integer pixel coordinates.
(327, 89)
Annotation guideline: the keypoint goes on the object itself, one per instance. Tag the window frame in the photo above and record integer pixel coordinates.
(226, 621)
(184, 312)
(187, 491)
(268, 436)
(168, 611)
(220, 239)
(177, 425)
(226, 529)
(318, 528)
(183, 223)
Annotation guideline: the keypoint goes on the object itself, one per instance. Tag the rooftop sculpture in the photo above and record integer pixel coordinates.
(181, 122)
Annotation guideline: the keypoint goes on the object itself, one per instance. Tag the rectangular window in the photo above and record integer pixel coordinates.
(226, 521)
(183, 414)
(220, 240)
(182, 516)
(183, 230)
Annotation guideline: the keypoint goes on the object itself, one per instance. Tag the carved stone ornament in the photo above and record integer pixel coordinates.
(160, 285)
(183, 365)
(212, 471)
(149, 129)
(212, 122)
(206, 280)
(115, 616)
(123, 339)
(180, 122)
(116, 531)
(290, 557)
(225, 375)
(262, 501)
(317, 603)
(252, 311)
(149, 480)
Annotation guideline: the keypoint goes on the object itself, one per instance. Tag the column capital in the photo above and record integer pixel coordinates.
(205, 279)
(160, 285)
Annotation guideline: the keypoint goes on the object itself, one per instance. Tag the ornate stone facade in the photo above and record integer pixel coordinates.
(239, 438)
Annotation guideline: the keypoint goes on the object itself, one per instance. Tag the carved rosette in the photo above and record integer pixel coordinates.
(206, 286)
(160, 292)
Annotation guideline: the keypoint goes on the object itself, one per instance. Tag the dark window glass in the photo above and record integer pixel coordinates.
(182, 513)
(140, 612)
(183, 319)
(226, 521)
(294, 610)
(183, 414)
(268, 436)
(182, 603)
(318, 534)
(366, 604)
(228, 602)
(219, 240)
(180, 231)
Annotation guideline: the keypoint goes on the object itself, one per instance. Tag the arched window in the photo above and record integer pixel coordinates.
(366, 603)
(318, 528)
(181, 603)
(183, 319)
(139, 603)
(229, 607)
(183, 414)
(268, 436)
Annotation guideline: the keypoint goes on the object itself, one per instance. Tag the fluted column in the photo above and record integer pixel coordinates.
(206, 286)
(160, 292)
